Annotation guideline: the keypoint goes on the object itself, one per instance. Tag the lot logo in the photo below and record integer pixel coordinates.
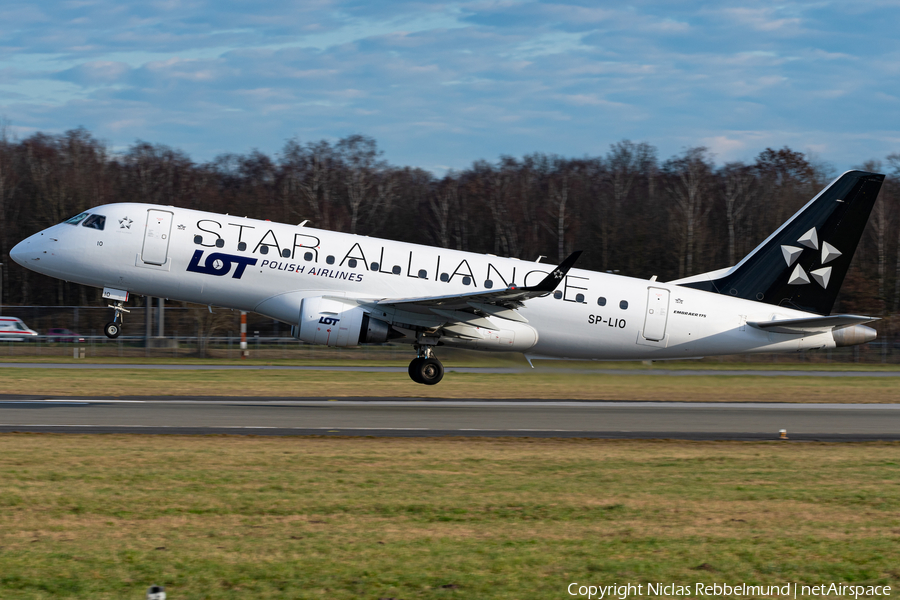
(328, 320)
(219, 264)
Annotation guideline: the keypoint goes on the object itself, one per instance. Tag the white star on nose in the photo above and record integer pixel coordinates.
(125, 223)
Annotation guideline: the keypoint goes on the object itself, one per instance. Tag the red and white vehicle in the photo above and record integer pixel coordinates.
(14, 330)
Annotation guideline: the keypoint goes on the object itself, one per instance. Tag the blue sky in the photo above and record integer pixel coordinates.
(439, 85)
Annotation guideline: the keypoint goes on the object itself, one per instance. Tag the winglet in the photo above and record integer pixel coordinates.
(551, 281)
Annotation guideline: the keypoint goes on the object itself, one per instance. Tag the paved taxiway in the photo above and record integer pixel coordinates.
(422, 418)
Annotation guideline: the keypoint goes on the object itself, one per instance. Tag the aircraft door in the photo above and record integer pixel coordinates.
(156, 237)
(657, 314)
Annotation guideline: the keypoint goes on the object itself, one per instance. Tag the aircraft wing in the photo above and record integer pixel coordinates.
(811, 324)
(501, 303)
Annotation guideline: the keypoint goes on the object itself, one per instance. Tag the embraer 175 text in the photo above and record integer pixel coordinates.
(337, 289)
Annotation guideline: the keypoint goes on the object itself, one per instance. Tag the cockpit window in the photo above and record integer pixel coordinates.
(78, 219)
(95, 222)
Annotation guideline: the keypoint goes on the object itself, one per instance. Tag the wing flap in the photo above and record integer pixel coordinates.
(509, 298)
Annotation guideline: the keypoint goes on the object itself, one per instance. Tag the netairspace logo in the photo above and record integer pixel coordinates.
(788, 590)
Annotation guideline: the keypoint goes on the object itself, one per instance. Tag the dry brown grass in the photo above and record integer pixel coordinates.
(538, 384)
(299, 517)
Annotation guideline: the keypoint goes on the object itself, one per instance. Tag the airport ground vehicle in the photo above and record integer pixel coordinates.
(61, 334)
(13, 329)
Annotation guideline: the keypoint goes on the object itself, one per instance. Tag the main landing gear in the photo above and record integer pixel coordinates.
(114, 327)
(425, 368)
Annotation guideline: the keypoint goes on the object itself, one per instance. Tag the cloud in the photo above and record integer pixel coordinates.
(447, 83)
(763, 19)
(97, 72)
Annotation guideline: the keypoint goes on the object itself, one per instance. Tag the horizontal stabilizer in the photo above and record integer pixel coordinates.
(811, 324)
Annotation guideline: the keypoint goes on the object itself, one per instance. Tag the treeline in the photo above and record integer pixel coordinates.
(632, 212)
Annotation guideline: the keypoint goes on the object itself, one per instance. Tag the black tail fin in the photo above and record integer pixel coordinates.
(802, 265)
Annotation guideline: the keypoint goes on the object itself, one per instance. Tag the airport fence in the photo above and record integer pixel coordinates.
(191, 331)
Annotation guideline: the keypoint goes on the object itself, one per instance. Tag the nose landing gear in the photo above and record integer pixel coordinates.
(114, 327)
(425, 368)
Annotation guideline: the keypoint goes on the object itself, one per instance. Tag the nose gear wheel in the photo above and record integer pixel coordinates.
(114, 327)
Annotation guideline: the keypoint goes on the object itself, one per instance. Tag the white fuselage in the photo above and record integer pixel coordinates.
(269, 268)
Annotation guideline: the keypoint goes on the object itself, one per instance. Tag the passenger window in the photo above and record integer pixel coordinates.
(601, 301)
(445, 278)
(423, 274)
(579, 298)
(77, 219)
(623, 304)
(557, 294)
(329, 260)
(467, 280)
(351, 263)
(374, 266)
(488, 283)
(307, 256)
(396, 270)
(95, 222)
(241, 245)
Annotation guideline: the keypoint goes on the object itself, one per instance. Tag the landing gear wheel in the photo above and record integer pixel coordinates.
(414, 370)
(428, 371)
(112, 330)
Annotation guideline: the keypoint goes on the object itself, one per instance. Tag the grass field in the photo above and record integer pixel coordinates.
(241, 517)
(531, 384)
(400, 357)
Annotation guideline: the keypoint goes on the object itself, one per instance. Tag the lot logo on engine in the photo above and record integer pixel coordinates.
(220, 264)
(328, 320)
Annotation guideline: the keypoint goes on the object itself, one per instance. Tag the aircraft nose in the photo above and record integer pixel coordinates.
(31, 250)
(19, 252)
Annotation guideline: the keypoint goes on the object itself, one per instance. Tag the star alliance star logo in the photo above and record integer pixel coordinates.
(810, 239)
(125, 223)
(557, 274)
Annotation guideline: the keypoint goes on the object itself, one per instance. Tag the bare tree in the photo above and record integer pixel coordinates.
(741, 187)
(9, 181)
(307, 181)
(559, 198)
(365, 180)
(687, 186)
(893, 161)
(441, 203)
(207, 322)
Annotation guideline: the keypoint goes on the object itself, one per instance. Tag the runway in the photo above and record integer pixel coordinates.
(450, 369)
(428, 418)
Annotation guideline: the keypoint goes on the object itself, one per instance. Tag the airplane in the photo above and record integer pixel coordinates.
(338, 289)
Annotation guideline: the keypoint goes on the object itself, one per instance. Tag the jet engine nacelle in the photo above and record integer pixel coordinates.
(332, 323)
(853, 335)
